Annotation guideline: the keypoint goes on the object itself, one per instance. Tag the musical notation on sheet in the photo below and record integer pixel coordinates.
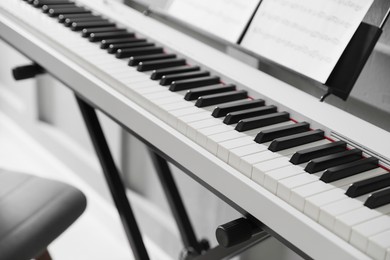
(226, 19)
(304, 35)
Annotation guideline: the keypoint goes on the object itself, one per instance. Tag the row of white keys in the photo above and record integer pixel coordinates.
(275, 160)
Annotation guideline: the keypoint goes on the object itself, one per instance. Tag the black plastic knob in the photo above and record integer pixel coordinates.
(236, 232)
(27, 71)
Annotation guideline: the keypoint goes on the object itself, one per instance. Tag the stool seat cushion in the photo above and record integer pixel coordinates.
(33, 212)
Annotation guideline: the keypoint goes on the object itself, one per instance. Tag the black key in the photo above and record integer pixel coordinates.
(78, 26)
(76, 10)
(168, 79)
(46, 8)
(349, 169)
(106, 43)
(69, 21)
(234, 117)
(261, 121)
(158, 74)
(160, 64)
(286, 142)
(193, 83)
(99, 36)
(126, 53)
(194, 94)
(223, 110)
(369, 185)
(113, 48)
(332, 160)
(214, 99)
(62, 17)
(378, 199)
(319, 151)
(271, 134)
(88, 31)
(40, 3)
(135, 60)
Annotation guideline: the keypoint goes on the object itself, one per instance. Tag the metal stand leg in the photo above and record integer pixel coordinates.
(113, 179)
(187, 233)
(195, 250)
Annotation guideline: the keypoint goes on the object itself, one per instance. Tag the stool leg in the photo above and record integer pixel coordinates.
(44, 256)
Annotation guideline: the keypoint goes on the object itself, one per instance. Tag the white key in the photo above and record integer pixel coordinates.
(192, 128)
(202, 135)
(161, 98)
(331, 211)
(248, 161)
(178, 105)
(286, 185)
(185, 111)
(378, 245)
(148, 88)
(361, 233)
(298, 195)
(273, 164)
(236, 153)
(222, 142)
(185, 120)
(314, 203)
(224, 148)
(270, 179)
(175, 114)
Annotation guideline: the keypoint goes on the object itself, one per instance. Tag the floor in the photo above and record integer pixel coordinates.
(90, 237)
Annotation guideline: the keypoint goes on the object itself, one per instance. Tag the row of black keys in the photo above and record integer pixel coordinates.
(337, 161)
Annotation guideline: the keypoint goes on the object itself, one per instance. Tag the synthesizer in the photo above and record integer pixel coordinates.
(316, 175)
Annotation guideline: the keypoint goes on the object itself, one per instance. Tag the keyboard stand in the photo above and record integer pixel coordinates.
(193, 249)
(113, 179)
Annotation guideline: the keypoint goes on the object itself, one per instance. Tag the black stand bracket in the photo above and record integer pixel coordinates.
(351, 63)
(191, 244)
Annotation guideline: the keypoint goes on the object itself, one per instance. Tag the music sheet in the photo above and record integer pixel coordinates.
(307, 36)
(226, 19)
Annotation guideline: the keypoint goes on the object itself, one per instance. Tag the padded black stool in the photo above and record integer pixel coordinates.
(33, 212)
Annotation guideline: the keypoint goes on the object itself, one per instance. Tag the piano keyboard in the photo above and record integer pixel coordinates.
(336, 184)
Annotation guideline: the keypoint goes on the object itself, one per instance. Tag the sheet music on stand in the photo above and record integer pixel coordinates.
(227, 19)
(306, 36)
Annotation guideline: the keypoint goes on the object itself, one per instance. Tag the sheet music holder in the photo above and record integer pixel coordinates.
(324, 41)
(344, 76)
